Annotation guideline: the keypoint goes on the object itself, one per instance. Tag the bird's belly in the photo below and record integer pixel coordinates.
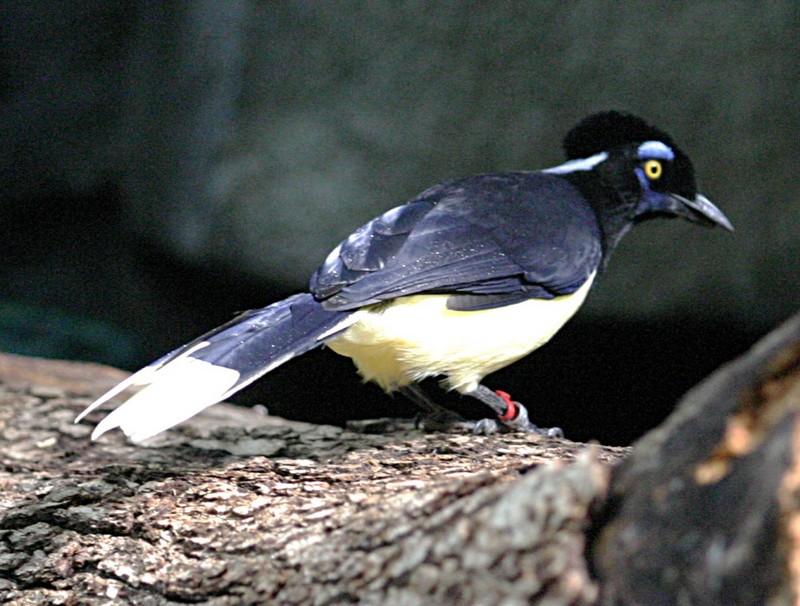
(416, 337)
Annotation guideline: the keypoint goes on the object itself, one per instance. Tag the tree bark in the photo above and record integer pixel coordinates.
(707, 508)
(235, 507)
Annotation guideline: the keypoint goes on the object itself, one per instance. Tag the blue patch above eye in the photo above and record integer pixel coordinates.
(655, 149)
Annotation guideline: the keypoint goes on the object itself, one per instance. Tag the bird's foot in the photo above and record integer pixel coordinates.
(487, 427)
(511, 416)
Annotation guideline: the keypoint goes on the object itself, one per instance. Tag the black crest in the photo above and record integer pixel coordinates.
(604, 130)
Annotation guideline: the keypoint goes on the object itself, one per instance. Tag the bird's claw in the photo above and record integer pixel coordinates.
(520, 423)
(551, 432)
(485, 427)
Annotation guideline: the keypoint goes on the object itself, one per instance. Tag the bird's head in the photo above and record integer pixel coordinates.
(646, 173)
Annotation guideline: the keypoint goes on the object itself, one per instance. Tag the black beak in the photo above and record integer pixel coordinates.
(702, 210)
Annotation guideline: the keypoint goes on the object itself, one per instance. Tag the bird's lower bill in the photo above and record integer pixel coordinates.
(416, 337)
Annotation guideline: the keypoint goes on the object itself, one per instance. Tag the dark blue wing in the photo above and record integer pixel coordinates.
(512, 236)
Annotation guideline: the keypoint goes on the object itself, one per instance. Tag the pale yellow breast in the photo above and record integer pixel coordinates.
(416, 337)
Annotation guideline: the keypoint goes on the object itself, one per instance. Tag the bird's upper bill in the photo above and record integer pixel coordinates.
(700, 210)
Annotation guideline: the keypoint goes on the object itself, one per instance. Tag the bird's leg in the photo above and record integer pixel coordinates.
(433, 415)
(511, 414)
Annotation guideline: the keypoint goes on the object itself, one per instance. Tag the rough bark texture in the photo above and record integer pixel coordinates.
(238, 508)
(707, 509)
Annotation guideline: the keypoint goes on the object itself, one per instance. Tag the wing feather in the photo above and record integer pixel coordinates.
(526, 234)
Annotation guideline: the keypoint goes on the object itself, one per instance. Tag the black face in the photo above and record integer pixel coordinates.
(662, 171)
(648, 173)
(665, 174)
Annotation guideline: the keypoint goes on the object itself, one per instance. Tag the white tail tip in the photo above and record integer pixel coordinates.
(176, 392)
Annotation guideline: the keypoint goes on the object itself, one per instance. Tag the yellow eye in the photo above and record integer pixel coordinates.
(653, 169)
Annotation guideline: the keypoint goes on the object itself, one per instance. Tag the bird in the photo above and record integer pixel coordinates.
(466, 278)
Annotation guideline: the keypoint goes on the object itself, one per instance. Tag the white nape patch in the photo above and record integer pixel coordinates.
(655, 149)
(576, 165)
(140, 377)
(176, 392)
(417, 337)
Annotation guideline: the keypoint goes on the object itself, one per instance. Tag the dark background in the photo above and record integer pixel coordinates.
(163, 165)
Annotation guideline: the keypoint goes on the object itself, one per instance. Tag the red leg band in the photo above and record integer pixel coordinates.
(511, 408)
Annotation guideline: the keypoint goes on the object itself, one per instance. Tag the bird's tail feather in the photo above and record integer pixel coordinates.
(218, 364)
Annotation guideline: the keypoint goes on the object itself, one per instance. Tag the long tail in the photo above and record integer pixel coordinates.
(218, 364)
